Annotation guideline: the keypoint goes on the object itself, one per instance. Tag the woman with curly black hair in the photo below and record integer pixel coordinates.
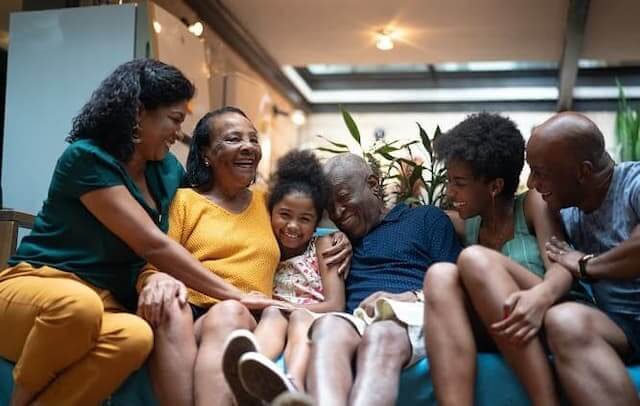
(225, 224)
(501, 287)
(64, 300)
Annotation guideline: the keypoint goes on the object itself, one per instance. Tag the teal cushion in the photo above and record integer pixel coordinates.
(496, 385)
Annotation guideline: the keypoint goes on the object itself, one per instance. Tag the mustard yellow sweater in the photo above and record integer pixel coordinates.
(240, 248)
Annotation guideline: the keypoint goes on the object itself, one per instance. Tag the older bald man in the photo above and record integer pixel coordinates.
(599, 202)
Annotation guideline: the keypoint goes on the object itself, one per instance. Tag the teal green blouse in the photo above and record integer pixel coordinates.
(66, 236)
(523, 248)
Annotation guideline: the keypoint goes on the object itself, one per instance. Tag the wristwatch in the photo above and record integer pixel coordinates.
(419, 295)
(582, 266)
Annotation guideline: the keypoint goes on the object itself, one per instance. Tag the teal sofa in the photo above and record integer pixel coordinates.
(496, 385)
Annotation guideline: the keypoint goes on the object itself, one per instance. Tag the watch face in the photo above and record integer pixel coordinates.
(582, 265)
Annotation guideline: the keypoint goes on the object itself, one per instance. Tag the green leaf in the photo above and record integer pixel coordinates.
(408, 162)
(436, 133)
(334, 143)
(351, 125)
(333, 151)
(415, 176)
(387, 156)
(425, 140)
(386, 149)
(408, 144)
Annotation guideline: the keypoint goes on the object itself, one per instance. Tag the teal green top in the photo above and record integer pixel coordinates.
(66, 236)
(523, 248)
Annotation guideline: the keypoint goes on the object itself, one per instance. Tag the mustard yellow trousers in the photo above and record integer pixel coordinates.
(72, 343)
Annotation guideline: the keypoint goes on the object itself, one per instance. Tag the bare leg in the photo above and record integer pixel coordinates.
(333, 344)
(587, 346)
(296, 353)
(173, 358)
(384, 350)
(489, 278)
(212, 331)
(449, 336)
(271, 332)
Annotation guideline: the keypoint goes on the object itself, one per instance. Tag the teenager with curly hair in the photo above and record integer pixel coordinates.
(501, 287)
(65, 300)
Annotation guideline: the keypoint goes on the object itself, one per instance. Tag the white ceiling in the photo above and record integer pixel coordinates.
(302, 32)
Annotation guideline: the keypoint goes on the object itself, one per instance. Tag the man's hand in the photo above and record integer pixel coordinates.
(369, 303)
(159, 291)
(339, 253)
(524, 311)
(562, 253)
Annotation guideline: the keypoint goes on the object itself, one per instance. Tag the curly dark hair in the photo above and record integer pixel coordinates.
(110, 115)
(299, 171)
(490, 143)
(198, 174)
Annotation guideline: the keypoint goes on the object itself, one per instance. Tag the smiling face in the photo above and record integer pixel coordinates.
(354, 206)
(234, 152)
(293, 220)
(554, 172)
(470, 195)
(159, 130)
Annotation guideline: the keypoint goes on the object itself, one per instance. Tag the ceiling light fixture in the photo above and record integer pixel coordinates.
(196, 28)
(384, 42)
(297, 117)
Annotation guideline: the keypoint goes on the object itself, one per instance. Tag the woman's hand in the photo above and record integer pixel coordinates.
(524, 311)
(562, 253)
(159, 291)
(339, 254)
(259, 301)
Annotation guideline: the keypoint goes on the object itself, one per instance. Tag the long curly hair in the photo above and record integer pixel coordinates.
(198, 174)
(490, 143)
(110, 115)
(299, 171)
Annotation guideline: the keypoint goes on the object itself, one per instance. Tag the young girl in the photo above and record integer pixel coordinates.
(297, 199)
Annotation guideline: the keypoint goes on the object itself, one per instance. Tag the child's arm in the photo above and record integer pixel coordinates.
(332, 283)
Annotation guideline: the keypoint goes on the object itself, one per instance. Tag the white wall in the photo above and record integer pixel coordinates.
(56, 59)
(233, 82)
(402, 126)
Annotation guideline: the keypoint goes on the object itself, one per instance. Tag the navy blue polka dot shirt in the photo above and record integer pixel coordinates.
(394, 256)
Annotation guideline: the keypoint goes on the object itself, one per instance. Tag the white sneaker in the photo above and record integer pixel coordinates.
(262, 378)
(239, 343)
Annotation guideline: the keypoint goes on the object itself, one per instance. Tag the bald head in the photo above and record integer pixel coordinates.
(570, 134)
(355, 205)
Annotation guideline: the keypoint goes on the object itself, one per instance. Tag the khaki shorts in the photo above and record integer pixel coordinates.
(408, 314)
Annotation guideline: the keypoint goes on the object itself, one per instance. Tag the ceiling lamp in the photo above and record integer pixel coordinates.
(384, 42)
(298, 118)
(196, 28)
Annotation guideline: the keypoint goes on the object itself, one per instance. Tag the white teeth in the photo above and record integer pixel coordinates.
(458, 204)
